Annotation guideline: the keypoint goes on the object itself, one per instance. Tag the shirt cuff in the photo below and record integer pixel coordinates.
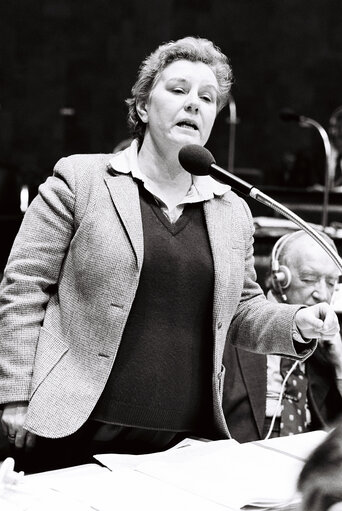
(297, 336)
(304, 347)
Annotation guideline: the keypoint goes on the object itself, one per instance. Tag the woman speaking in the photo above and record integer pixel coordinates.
(124, 279)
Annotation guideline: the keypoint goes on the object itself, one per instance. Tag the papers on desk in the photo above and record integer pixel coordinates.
(232, 475)
(123, 489)
(298, 446)
(261, 474)
(201, 476)
(49, 491)
(99, 489)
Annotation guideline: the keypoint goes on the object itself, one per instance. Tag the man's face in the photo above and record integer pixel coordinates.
(314, 273)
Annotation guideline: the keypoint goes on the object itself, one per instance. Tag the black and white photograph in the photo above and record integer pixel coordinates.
(170, 256)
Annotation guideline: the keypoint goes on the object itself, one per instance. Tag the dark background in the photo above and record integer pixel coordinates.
(84, 56)
(68, 65)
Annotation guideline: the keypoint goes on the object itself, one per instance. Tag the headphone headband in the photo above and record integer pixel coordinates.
(279, 245)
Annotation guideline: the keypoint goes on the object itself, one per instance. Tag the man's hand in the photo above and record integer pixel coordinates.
(317, 322)
(12, 422)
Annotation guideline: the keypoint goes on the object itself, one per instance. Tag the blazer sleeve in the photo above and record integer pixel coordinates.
(32, 270)
(259, 325)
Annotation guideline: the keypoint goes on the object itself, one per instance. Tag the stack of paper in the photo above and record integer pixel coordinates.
(94, 488)
(230, 474)
(260, 474)
(201, 476)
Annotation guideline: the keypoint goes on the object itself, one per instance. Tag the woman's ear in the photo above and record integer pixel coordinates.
(142, 111)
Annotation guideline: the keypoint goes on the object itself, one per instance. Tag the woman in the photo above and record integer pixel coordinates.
(124, 279)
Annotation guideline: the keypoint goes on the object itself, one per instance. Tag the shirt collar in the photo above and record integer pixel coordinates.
(203, 187)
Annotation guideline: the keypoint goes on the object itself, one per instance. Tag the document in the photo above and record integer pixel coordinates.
(95, 488)
(258, 474)
(299, 446)
(230, 474)
(194, 475)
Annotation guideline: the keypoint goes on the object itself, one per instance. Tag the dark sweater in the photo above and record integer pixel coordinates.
(161, 378)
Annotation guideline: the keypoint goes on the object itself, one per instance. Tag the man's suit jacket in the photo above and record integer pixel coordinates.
(71, 279)
(244, 400)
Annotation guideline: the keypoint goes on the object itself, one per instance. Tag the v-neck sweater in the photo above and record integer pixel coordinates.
(161, 378)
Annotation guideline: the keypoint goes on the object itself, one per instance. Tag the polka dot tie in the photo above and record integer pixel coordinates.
(293, 415)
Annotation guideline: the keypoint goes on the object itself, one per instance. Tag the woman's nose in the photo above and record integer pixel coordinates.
(192, 104)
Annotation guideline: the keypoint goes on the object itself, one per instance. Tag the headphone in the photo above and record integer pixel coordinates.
(280, 274)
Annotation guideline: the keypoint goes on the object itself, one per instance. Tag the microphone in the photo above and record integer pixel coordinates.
(197, 160)
(289, 115)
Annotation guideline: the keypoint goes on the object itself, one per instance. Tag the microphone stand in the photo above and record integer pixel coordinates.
(197, 160)
(232, 128)
(280, 208)
(246, 188)
(306, 122)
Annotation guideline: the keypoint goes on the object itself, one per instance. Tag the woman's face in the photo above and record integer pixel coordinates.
(182, 106)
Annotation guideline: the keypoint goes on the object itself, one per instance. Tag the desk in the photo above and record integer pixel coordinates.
(201, 476)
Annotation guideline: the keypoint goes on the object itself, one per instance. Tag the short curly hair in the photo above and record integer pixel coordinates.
(194, 49)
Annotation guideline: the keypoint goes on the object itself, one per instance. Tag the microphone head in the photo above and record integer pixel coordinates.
(289, 115)
(196, 159)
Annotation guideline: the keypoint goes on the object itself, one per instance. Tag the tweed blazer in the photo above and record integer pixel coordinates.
(71, 279)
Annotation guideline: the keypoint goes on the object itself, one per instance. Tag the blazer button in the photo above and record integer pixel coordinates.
(219, 325)
(103, 355)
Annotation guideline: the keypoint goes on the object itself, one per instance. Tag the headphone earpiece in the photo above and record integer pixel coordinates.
(283, 276)
(280, 274)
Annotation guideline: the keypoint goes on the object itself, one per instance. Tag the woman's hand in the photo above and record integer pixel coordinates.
(12, 422)
(317, 322)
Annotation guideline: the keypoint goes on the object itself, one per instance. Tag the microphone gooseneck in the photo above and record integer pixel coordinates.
(289, 115)
(199, 161)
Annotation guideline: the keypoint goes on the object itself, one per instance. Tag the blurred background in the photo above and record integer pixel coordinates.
(68, 65)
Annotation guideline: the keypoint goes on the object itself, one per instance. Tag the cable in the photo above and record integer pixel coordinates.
(282, 390)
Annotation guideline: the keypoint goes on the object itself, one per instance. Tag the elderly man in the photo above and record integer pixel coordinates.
(257, 401)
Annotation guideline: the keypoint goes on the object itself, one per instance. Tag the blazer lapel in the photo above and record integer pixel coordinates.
(254, 372)
(218, 214)
(319, 385)
(125, 196)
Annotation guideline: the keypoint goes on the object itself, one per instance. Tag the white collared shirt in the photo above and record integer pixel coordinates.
(202, 188)
(275, 381)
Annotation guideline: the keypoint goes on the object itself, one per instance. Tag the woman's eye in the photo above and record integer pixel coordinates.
(178, 90)
(208, 99)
